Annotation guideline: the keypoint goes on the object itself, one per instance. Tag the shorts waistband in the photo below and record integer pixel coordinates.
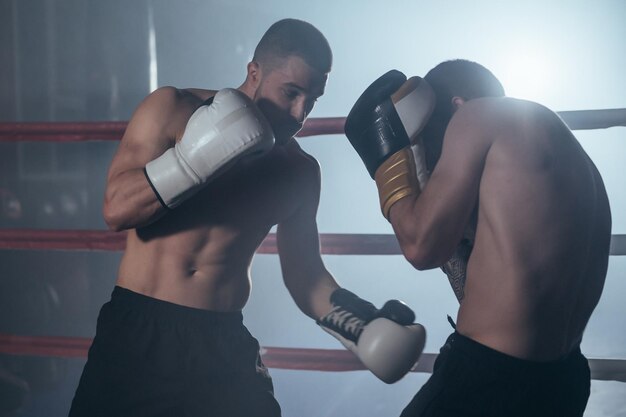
(479, 351)
(130, 300)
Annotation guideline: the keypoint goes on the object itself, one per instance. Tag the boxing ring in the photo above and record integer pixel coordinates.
(328, 360)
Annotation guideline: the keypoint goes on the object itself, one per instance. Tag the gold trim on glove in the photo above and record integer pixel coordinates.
(396, 179)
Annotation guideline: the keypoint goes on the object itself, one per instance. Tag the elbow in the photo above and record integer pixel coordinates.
(113, 223)
(419, 261)
(116, 227)
(418, 246)
(304, 304)
(422, 256)
(113, 218)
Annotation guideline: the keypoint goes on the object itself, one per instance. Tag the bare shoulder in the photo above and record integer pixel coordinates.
(305, 171)
(304, 178)
(498, 105)
(157, 123)
(476, 121)
(197, 95)
(162, 105)
(170, 102)
(302, 160)
(481, 114)
(201, 94)
(163, 114)
(494, 115)
(166, 98)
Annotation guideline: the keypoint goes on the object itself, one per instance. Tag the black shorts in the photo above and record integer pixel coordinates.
(470, 379)
(155, 358)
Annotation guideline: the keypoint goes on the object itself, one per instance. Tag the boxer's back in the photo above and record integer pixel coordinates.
(541, 251)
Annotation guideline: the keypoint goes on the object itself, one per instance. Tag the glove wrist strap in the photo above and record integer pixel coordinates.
(396, 179)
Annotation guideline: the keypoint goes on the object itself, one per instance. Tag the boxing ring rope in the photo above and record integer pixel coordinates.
(327, 360)
(104, 240)
(336, 244)
(84, 131)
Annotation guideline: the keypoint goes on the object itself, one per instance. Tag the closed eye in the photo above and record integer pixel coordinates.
(291, 94)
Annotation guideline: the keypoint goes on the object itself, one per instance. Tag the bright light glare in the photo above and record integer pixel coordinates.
(153, 76)
(527, 74)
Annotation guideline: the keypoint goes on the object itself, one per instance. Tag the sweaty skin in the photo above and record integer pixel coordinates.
(540, 256)
(199, 254)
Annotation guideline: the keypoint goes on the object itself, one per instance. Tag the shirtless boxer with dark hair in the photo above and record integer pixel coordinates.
(199, 179)
(498, 193)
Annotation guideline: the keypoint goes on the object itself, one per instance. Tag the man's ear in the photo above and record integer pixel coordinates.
(253, 76)
(457, 102)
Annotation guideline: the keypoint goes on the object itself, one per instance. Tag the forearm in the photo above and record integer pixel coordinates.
(130, 201)
(427, 232)
(312, 296)
(417, 243)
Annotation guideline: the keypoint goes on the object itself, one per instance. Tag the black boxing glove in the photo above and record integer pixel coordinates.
(383, 127)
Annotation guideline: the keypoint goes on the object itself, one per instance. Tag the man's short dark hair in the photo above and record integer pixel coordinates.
(462, 78)
(455, 78)
(293, 37)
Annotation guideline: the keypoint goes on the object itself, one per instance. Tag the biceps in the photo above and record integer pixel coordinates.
(453, 190)
(138, 147)
(299, 248)
(126, 182)
(452, 193)
(298, 244)
(449, 204)
(457, 175)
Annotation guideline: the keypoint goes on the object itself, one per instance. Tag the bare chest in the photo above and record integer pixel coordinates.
(254, 194)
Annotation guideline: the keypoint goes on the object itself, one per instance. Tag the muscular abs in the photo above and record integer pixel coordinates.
(199, 254)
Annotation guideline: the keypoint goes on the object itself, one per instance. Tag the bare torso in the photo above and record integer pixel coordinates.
(540, 256)
(199, 254)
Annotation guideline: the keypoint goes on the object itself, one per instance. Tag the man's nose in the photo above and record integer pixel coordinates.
(298, 111)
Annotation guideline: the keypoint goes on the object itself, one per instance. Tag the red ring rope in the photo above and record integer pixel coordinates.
(327, 360)
(331, 243)
(82, 131)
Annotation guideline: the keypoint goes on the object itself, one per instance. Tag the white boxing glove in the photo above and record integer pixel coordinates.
(229, 128)
(386, 341)
(414, 102)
